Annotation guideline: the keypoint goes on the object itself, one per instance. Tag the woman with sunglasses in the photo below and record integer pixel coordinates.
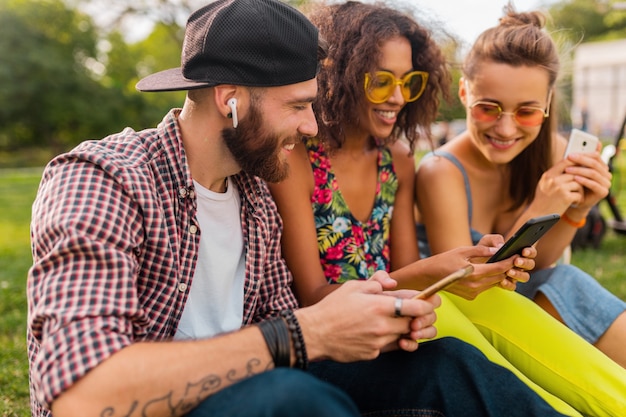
(509, 166)
(347, 205)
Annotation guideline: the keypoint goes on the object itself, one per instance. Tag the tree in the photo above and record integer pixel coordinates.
(127, 63)
(160, 50)
(65, 81)
(46, 50)
(449, 111)
(588, 20)
(573, 22)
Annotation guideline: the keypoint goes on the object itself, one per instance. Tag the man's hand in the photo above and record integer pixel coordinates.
(358, 320)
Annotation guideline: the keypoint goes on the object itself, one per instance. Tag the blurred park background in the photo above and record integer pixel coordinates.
(68, 71)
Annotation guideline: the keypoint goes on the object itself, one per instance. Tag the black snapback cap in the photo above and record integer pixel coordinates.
(257, 43)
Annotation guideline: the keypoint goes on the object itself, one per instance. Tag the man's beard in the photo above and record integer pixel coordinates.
(256, 150)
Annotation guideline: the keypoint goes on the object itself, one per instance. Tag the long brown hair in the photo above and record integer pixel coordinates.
(519, 40)
(354, 32)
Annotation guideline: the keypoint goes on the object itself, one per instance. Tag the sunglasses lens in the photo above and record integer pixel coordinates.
(485, 112)
(413, 86)
(380, 87)
(529, 116)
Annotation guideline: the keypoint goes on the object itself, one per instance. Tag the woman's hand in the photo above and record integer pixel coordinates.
(557, 190)
(579, 181)
(505, 273)
(522, 265)
(593, 175)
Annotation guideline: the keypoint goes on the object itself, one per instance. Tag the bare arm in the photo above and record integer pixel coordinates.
(403, 240)
(442, 204)
(409, 271)
(571, 186)
(299, 241)
(299, 244)
(356, 322)
(443, 207)
(165, 378)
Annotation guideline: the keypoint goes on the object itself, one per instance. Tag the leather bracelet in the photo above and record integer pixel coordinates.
(302, 360)
(572, 223)
(283, 354)
(276, 337)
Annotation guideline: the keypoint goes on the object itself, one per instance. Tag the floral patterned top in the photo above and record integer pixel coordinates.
(348, 248)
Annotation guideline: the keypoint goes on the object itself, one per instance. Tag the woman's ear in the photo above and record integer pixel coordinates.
(463, 91)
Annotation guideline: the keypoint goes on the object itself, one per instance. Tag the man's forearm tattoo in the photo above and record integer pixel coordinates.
(194, 394)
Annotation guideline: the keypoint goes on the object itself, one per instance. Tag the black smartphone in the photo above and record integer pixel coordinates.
(445, 282)
(526, 236)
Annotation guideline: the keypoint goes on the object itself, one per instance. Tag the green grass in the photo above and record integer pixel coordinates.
(17, 191)
(606, 262)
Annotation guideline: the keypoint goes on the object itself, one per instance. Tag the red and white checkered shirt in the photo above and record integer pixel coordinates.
(115, 241)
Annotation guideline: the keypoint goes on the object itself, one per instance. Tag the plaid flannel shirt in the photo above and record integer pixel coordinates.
(115, 241)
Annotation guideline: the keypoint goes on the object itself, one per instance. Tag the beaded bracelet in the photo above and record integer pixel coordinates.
(302, 360)
(276, 337)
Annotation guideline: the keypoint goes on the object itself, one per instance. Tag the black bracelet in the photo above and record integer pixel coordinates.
(302, 360)
(270, 338)
(283, 353)
(276, 337)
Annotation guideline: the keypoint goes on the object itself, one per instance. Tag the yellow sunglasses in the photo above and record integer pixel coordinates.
(380, 85)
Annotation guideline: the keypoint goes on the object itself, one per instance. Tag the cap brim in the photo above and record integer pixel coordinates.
(169, 80)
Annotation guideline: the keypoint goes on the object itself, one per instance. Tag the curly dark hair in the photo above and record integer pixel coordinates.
(355, 32)
(519, 40)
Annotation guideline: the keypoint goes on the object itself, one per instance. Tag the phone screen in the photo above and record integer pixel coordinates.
(526, 236)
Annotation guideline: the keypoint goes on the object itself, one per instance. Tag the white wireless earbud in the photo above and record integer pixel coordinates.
(232, 103)
(607, 153)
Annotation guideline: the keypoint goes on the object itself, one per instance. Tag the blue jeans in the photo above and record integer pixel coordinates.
(282, 392)
(445, 377)
(585, 306)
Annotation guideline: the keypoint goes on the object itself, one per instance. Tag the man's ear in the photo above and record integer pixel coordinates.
(224, 95)
(463, 91)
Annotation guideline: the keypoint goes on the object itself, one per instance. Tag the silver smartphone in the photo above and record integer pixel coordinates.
(581, 142)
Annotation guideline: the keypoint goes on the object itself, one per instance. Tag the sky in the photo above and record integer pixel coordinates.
(468, 18)
(463, 18)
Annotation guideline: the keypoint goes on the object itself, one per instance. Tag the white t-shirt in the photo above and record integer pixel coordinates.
(215, 301)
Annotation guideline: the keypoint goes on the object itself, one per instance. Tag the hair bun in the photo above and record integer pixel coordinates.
(513, 18)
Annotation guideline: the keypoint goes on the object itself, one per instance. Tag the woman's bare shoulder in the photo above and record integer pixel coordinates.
(403, 158)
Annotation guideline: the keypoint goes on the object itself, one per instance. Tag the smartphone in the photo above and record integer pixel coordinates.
(526, 236)
(445, 282)
(581, 142)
